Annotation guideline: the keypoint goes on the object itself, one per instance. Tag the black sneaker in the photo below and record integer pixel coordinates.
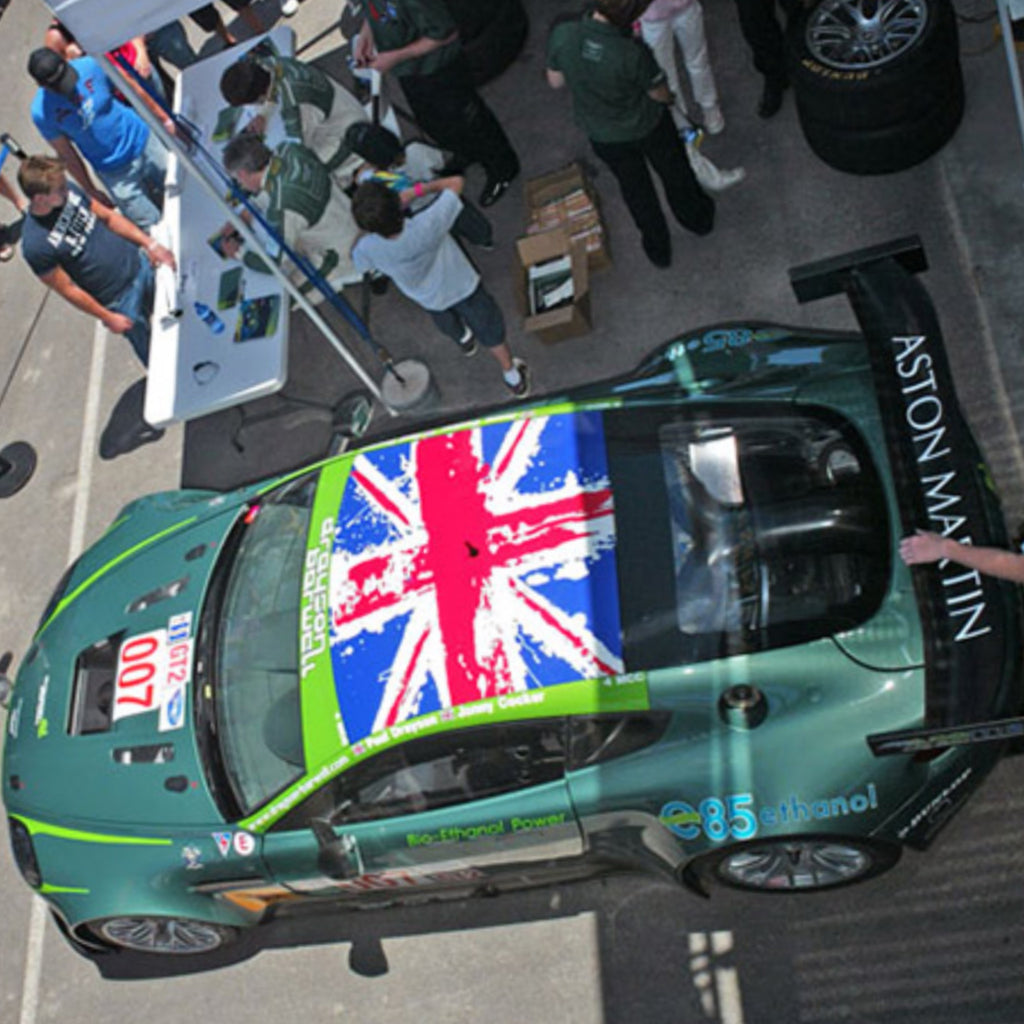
(467, 343)
(522, 387)
(494, 189)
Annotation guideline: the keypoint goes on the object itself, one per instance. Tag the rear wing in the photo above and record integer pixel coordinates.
(971, 623)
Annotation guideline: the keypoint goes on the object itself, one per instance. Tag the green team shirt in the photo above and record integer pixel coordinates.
(304, 203)
(609, 75)
(397, 23)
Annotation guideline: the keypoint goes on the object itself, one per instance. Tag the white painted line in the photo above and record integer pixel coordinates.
(33, 962)
(730, 1005)
(90, 428)
(721, 1001)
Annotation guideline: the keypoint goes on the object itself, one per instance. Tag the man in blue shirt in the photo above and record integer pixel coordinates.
(89, 254)
(76, 112)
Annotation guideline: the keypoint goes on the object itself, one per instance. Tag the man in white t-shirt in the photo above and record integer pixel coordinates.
(420, 256)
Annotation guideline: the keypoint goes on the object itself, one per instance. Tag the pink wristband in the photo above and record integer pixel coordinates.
(418, 188)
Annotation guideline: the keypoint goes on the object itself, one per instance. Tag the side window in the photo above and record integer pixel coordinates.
(439, 771)
(600, 738)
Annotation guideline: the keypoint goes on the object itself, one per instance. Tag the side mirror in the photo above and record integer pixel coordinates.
(339, 856)
(5, 683)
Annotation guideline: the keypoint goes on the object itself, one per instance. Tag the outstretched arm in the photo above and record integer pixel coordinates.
(925, 546)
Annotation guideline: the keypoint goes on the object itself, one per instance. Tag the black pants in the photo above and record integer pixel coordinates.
(763, 35)
(691, 206)
(447, 107)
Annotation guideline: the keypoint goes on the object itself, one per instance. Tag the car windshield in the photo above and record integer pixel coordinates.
(255, 647)
(742, 529)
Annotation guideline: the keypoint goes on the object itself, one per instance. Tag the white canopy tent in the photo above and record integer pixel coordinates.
(103, 25)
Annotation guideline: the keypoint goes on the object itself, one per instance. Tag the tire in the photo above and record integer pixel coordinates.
(795, 864)
(867, 85)
(889, 149)
(493, 33)
(162, 936)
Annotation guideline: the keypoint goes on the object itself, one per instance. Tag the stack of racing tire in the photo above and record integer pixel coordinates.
(878, 84)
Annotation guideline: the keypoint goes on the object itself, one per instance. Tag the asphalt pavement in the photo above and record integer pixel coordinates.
(621, 953)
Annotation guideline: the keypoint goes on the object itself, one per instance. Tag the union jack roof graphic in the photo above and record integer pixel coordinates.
(472, 564)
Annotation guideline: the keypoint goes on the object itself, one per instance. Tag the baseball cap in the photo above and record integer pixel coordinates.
(52, 71)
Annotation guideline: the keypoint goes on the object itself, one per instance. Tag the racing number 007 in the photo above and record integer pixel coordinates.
(137, 669)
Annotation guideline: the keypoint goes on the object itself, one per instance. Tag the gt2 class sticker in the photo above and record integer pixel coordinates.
(737, 816)
(153, 671)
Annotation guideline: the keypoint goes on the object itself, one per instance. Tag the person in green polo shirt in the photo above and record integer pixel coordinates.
(418, 43)
(315, 109)
(621, 101)
(301, 200)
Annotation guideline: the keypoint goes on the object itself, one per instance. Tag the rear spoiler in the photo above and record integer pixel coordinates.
(971, 623)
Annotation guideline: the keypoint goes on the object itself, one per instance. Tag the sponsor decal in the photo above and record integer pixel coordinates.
(192, 857)
(934, 803)
(925, 416)
(465, 833)
(313, 623)
(179, 672)
(41, 724)
(244, 843)
(738, 816)
(223, 841)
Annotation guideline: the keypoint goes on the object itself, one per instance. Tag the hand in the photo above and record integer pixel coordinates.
(383, 62)
(258, 125)
(117, 323)
(159, 254)
(362, 48)
(922, 547)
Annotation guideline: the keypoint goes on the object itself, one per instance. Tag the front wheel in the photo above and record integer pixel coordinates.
(795, 864)
(164, 936)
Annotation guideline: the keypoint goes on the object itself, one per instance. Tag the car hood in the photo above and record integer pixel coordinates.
(140, 758)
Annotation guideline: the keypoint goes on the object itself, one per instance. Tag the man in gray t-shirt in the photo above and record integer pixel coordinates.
(91, 255)
(420, 256)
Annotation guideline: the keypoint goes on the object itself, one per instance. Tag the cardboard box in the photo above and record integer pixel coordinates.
(565, 321)
(565, 198)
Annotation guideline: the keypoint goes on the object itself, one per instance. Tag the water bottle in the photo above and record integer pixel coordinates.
(692, 133)
(209, 318)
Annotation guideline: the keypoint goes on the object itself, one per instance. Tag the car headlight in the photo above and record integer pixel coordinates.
(24, 853)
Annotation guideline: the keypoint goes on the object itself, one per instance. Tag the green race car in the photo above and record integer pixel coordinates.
(649, 626)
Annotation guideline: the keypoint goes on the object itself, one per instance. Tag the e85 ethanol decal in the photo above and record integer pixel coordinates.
(738, 816)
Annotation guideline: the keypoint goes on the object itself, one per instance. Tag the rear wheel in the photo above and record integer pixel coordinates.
(797, 864)
(165, 936)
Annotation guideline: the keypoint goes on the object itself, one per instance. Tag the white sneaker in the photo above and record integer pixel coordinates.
(289, 7)
(714, 120)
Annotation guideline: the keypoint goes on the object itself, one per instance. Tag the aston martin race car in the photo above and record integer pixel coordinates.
(659, 624)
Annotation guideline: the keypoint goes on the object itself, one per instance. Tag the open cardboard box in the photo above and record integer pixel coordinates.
(568, 321)
(565, 198)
